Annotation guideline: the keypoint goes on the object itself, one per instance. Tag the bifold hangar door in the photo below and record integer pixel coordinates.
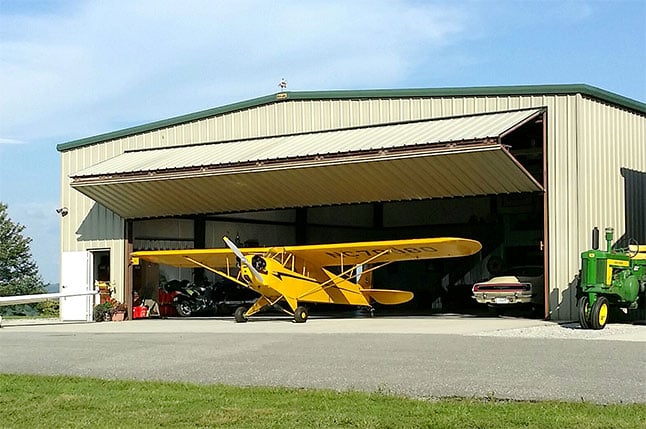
(447, 157)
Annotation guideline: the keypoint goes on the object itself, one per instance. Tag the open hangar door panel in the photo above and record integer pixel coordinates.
(428, 159)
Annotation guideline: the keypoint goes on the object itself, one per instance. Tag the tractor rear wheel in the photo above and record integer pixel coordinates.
(239, 314)
(599, 313)
(584, 312)
(301, 314)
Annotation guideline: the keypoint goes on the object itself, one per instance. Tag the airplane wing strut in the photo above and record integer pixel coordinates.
(334, 278)
(218, 272)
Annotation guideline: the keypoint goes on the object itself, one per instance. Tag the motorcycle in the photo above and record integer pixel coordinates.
(190, 299)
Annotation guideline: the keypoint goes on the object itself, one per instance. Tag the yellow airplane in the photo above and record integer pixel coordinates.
(321, 273)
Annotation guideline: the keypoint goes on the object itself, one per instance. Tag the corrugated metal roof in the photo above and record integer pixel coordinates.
(312, 145)
(416, 160)
(492, 91)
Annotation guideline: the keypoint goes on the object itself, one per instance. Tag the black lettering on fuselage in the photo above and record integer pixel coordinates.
(280, 274)
(372, 252)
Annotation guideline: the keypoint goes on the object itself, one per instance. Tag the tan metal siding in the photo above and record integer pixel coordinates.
(610, 139)
(88, 225)
(562, 207)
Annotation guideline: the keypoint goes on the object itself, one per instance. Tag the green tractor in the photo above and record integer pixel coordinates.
(608, 278)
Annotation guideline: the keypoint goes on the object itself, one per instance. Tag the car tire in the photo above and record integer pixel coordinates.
(537, 311)
(496, 310)
(599, 313)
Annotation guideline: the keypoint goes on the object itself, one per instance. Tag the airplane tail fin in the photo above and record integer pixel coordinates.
(388, 296)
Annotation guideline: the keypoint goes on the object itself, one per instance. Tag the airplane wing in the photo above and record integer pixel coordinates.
(28, 299)
(327, 255)
(214, 258)
(324, 255)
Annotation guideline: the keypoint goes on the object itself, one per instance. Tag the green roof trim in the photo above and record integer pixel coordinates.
(583, 89)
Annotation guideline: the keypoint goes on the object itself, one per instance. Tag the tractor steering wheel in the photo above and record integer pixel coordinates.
(632, 242)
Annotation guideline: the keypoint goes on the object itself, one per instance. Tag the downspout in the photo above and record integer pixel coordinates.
(545, 244)
(128, 223)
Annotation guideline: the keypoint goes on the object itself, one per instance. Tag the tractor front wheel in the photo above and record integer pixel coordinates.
(599, 313)
(584, 312)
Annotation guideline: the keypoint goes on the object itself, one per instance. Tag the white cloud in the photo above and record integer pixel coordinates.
(107, 63)
(10, 141)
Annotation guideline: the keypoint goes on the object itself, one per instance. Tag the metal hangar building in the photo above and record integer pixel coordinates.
(526, 170)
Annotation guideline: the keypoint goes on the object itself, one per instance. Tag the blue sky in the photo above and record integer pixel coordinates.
(73, 69)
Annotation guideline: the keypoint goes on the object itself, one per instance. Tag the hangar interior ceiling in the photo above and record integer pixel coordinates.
(489, 190)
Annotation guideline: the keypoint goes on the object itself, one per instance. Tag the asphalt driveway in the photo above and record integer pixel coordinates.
(413, 356)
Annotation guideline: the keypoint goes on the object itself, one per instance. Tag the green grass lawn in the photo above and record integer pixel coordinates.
(72, 402)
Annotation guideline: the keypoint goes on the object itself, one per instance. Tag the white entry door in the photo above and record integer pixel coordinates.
(75, 278)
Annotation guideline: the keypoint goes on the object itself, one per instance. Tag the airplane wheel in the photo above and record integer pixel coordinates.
(584, 312)
(239, 314)
(599, 313)
(301, 314)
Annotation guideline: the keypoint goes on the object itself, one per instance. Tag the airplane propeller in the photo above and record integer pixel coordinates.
(242, 259)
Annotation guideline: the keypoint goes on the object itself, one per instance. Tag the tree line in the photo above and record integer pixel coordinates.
(18, 272)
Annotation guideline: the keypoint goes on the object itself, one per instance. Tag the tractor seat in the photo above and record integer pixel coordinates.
(640, 249)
